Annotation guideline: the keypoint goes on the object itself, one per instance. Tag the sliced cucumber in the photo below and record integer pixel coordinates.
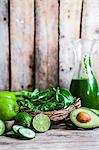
(16, 128)
(11, 134)
(22, 132)
(2, 127)
(26, 133)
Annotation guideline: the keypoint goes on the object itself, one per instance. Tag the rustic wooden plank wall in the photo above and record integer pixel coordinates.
(4, 46)
(36, 47)
(70, 17)
(22, 44)
(46, 61)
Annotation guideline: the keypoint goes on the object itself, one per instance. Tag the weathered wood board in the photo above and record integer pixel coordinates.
(90, 30)
(70, 14)
(4, 46)
(39, 35)
(22, 44)
(55, 139)
(46, 61)
(90, 20)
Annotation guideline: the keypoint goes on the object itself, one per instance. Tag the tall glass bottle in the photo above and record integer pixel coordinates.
(84, 84)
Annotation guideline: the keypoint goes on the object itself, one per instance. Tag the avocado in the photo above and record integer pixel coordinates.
(84, 118)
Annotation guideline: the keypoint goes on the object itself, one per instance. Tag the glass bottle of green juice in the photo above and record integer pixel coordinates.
(85, 85)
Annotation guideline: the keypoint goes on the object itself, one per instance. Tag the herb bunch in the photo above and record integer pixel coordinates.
(46, 100)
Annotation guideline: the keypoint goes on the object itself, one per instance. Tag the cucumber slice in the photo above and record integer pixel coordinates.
(16, 128)
(26, 133)
(11, 134)
(2, 127)
(41, 123)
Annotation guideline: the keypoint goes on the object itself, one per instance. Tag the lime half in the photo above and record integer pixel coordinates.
(41, 123)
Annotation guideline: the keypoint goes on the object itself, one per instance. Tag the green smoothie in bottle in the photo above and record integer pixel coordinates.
(86, 88)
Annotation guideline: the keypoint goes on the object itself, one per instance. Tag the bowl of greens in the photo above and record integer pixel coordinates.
(56, 102)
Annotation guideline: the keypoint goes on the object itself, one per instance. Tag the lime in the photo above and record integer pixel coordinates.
(23, 119)
(41, 123)
(7, 94)
(8, 108)
(2, 127)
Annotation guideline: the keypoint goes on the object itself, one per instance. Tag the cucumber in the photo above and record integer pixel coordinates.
(2, 127)
(23, 133)
(16, 128)
(11, 134)
(26, 133)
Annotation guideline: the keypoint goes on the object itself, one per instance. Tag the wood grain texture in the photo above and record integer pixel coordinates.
(4, 46)
(55, 139)
(95, 60)
(70, 14)
(90, 20)
(90, 30)
(46, 43)
(22, 44)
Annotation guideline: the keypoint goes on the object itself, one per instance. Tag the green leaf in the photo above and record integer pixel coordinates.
(35, 93)
(66, 93)
(57, 93)
(46, 100)
(26, 94)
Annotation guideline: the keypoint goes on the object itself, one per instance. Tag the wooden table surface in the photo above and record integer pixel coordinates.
(55, 139)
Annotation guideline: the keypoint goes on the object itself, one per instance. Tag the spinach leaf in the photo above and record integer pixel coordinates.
(46, 100)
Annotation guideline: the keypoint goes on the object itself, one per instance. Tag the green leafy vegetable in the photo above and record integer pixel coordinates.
(46, 100)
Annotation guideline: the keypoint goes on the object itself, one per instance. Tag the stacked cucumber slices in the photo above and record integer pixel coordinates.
(20, 130)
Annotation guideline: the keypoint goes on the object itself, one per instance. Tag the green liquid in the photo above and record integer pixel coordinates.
(80, 87)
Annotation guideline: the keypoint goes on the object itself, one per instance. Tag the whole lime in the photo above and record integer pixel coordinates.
(23, 119)
(8, 108)
(7, 94)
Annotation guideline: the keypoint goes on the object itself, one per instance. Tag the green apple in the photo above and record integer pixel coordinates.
(8, 108)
